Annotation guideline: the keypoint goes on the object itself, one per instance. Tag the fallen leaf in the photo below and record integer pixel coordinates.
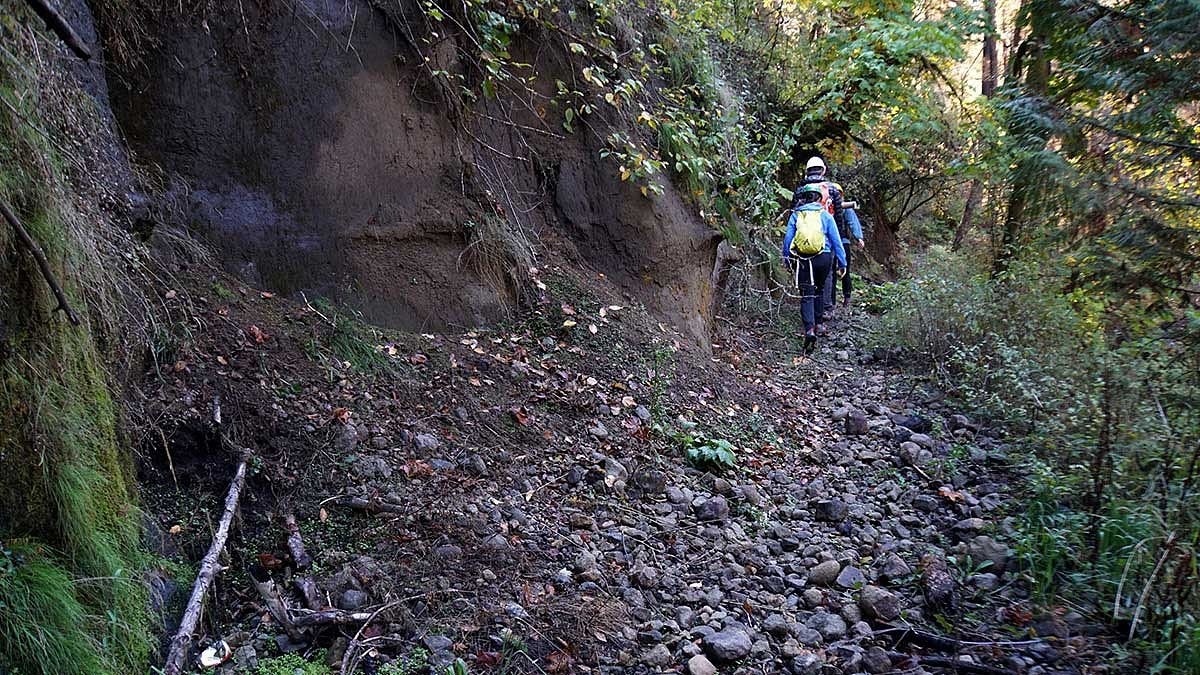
(341, 415)
(260, 336)
(568, 324)
(418, 359)
(266, 295)
(592, 328)
(415, 468)
(171, 295)
(520, 415)
(323, 515)
(176, 529)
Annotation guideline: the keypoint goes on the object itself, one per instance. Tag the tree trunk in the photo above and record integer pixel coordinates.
(1034, 59)
(991, 73)
(974, 197)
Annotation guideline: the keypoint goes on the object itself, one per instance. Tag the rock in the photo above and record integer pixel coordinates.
(658, 656)
(878, 603)
(856, 423)
(477, 465)
(751, 494)
(830, 626)
(807, 664)
(916, 423)
(970, 525)
(850, 577)
(813, 597)
(983, 548)
(960, 422)
(496, 543)
(776, 625)
(700, 665)
(824, 574)
(447, 553)
(922, 440)
(352, 600)
(645, 577)
(893, 568)
(346, 439)
(914, 454)
(831, 510)
(985, 581)
(714, 509)
(426, 442)
(437, 643)
(1051, 625)
(650, 481)
(877, 661)
(586, 562)
(598, 430)
(729, 644)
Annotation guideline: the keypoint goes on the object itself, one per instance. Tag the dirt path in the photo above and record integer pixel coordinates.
(530, 505)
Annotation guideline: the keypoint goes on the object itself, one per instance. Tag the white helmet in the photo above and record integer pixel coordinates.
(815, 163)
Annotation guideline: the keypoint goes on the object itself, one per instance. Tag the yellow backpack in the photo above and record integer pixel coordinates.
(810, 233)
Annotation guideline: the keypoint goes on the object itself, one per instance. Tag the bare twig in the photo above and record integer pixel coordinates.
(209, 567)
(61, 28)
(36, 251)
(350, 659)
(953, 664)
(295, 544)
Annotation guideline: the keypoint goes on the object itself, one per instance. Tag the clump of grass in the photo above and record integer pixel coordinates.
(40, 616)
(348, 339)
(499, 251)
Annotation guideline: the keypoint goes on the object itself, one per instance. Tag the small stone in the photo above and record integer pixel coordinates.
(877, 660)
(352, 600)
(598, 430)
(879, 603)
(985, 581)
(447, 552)
(983, 548)
(922, 440)
(850, 577)
(830, 626)
(960, 422)
(831, 510)
(426, 442)
(813, 597)
(730, 644)
(807, 664)
(700, 665)
(586, 562)
(657, 657)
(856, 423)
(714, 509)
(824, 574)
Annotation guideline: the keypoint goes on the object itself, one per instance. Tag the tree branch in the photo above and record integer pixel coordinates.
(36, 251)
(61, 28)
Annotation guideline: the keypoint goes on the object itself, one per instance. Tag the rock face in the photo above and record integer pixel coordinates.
(879, 604)
(310, 168)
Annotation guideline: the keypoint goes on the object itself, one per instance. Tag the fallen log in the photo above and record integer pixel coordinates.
(295, 544)
(55, 22)
(209, 567)
(36, 251)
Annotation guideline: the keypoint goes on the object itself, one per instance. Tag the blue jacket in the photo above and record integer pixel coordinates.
(855, 226)
(832, 239)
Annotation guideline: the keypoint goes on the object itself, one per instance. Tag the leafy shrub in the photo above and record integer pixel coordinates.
(711, 454)
(291, 664)
(1106, 395)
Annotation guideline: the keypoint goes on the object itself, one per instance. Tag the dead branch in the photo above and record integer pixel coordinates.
(36, 251)
(330, 617)
(308, 590)
(209, 568)
(295, 544)
(269, 592)
(61, 28)
(953, 664)
(350, 658)
(370, 505)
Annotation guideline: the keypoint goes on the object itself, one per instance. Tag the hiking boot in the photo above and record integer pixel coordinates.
(846, 302)
(810, 343)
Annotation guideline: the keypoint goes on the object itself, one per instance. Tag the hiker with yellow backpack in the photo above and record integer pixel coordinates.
(810, 246)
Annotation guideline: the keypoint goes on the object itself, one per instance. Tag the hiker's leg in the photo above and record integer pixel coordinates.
(808, 295)
(821, 266)
(846, 278)
(828, 292)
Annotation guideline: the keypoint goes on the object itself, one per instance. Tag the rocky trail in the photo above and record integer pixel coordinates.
(522, 499)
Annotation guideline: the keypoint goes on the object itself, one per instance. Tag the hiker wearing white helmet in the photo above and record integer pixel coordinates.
(831, 201)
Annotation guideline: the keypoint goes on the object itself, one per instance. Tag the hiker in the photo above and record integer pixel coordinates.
(811, 244)
(854, 229)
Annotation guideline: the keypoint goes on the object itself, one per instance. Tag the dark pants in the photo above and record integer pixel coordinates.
(829, 290)
(811, 274)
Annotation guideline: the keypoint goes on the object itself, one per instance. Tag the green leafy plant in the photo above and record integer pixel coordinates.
(715, 454)
(291, 664)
